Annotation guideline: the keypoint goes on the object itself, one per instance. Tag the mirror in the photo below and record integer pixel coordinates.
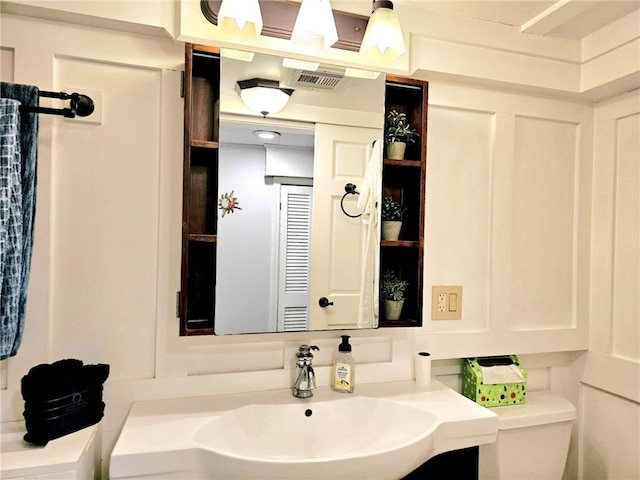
(284, 240)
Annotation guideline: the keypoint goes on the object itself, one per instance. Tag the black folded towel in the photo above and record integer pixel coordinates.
(41, 430)
(50, 381)
(62, 398)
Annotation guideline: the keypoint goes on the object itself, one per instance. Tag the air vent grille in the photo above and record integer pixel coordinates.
(316, 80)
(322, 81)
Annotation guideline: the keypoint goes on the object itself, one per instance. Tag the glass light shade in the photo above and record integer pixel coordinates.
(264, 99)
(315, 26)
(383, 37)
(240, 18)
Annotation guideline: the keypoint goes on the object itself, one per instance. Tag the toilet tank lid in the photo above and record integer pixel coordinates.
(541, 408)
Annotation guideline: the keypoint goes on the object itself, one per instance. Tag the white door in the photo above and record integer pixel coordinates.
(341, 156)
(294, 258)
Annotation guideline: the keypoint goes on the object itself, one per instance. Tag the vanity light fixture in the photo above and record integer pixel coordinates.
(315, 26)
(378, 38)
(267, 134)
(264, 96)
(383, 39)
(240, 18)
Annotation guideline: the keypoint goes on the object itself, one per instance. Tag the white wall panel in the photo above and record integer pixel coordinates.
(6, 64)
(610, 441)
(615, 283)
(611, 379)
(105, 220)
(458, 208)
(626, 274)
(544, 223)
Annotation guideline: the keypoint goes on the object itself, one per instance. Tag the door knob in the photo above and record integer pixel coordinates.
(324, 302)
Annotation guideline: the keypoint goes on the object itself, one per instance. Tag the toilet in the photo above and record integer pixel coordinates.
(533, 440)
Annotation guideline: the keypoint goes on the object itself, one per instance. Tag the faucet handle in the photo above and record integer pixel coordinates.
(304, 352)
(307, 348)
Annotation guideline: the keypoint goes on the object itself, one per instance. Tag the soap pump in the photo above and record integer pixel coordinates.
(344, 368)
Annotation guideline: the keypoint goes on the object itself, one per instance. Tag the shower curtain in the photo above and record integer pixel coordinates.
(18, 158)
(367, 203)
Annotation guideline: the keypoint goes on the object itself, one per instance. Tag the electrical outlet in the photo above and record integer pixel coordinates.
(442, 302)
(446, 302)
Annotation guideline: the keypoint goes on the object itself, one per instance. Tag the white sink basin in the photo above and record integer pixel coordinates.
(383, 431)
(299, 440)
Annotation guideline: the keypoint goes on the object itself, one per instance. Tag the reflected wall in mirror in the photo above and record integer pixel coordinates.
(287, 242)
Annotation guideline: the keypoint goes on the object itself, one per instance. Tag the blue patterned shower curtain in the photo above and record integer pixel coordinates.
(18, 159)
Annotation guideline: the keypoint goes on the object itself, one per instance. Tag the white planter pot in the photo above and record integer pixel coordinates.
(392, 309)
(395, 150)
(391, 230)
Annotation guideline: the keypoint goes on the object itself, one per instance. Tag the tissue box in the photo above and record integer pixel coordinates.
(492, 395)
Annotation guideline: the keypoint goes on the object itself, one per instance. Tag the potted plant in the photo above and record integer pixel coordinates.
(392, 290)
(397, 134)
(392, 212)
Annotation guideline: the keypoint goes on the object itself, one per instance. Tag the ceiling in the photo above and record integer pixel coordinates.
(563, 18)
(243, 134)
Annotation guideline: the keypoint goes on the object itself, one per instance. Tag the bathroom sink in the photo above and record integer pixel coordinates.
(382, 431)
(295, 440)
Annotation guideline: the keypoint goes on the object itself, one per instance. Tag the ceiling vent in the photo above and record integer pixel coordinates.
(321, 79)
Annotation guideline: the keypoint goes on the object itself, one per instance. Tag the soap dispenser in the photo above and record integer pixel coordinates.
(344, 368)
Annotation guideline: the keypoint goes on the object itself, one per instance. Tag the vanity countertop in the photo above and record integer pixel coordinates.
(63, 456)
(165, 428)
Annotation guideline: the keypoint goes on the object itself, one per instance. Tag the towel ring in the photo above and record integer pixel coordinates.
(350, 189)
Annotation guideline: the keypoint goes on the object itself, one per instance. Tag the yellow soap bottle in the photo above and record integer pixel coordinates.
(344, 368)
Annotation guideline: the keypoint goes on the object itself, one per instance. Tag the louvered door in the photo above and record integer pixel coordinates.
(295, 237)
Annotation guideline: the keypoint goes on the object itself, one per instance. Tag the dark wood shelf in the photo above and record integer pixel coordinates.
(204, 144)
(404, 181)
(400, 323)
(402, 163)
(198, 237)
(200, 190)
(400, 243)
(199, 331)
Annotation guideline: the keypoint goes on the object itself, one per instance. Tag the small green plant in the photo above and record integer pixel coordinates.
(392, 287)
(398, 129)
(392, 210)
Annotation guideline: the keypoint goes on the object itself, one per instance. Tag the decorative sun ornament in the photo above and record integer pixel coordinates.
(228, 203)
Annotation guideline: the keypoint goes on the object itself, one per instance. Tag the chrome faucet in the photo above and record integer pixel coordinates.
(305, 376)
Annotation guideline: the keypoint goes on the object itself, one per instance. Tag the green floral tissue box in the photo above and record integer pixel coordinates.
(494, 381)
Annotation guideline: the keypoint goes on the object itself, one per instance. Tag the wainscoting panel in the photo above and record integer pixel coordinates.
(105, 216)
(626, 263)
(544, 223)
(458, 211)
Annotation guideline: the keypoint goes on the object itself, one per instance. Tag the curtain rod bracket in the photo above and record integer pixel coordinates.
(81, 105)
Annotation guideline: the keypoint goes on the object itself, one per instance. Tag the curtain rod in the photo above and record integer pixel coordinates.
(80, 105)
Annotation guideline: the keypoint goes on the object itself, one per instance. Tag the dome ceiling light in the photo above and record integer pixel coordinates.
(263, 96)
(267, 134)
